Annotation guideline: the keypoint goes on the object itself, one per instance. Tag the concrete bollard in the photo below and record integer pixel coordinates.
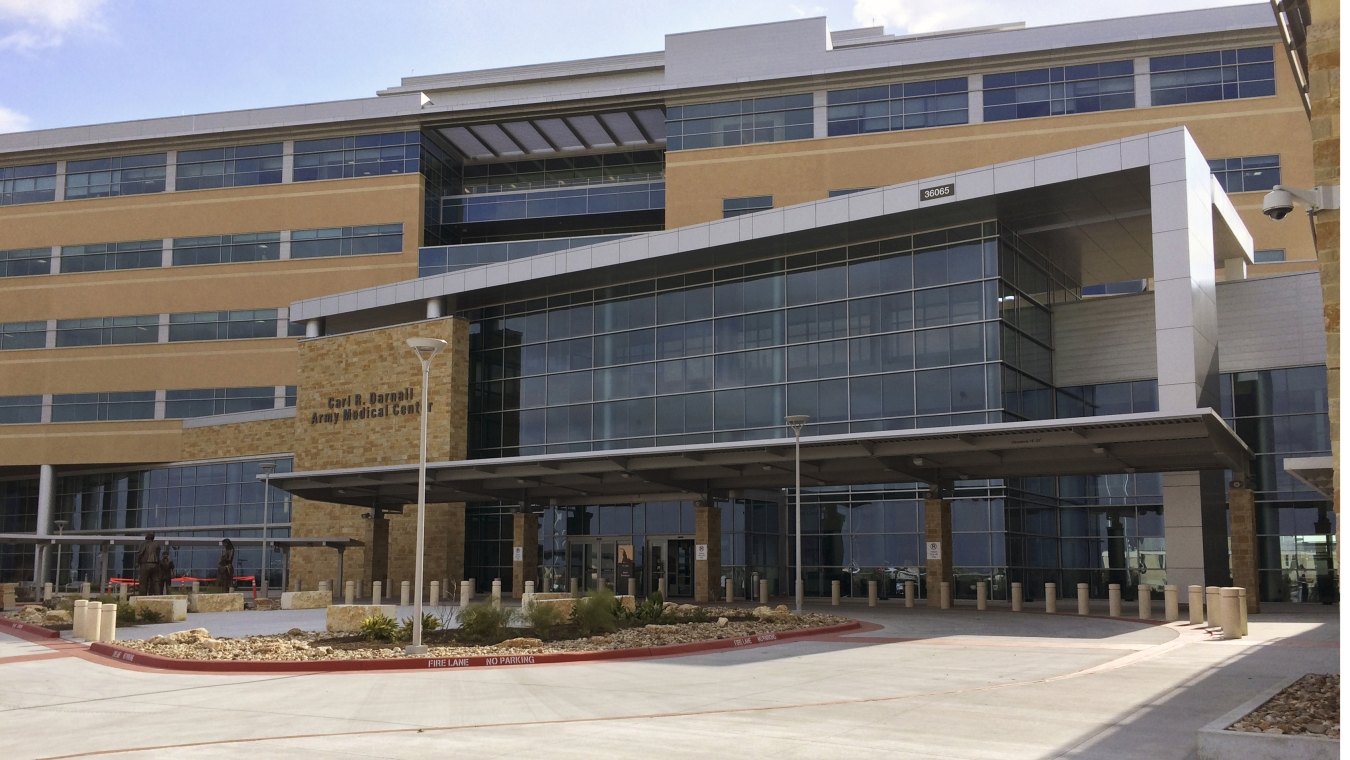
(661, 587)
(405, 593)
(122, 592)
(1083, 599)
(434, 598)
(871, 593)
(728, 590)
(349, 593)
(1242, 610)
(599, 584)
(1050, 598)
(84, 589)
(945, 595)
(107, 628)
(1228, 613)
(763, 590)
(376, 592)
(632, 588)
(574, 587)
(465, 593)
(911, 591)
(196, 587)
(1171, 605)
(834, 593)
(1145, 602)
(497, 593)
(981, 595)
(47, 591)
(1113, 595)
(527, 596)
(1213, 618)
(93, 618)
(1016, 597)
(1195, 603)
(77, 618)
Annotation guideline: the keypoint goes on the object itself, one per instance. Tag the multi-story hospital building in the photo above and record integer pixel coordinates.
(1019, 280)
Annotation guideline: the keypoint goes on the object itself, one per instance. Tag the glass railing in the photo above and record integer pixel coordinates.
(582, 200)
(450, 258)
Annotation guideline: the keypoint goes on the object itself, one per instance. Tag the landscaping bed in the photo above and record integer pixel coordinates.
(1309, 706)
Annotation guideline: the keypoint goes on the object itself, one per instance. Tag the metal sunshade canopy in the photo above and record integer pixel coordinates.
(1149, 442)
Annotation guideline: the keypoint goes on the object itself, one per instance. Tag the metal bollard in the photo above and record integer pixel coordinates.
(1171, 606)
(1083, 599)
(1145, 602)
(1213, 618)
(981, 595)
(349, 593)
(871, 593)
(632, 589)
(763, 590)
(107, 629)
(376, 592)
(1228, 613)
(727, 589)
(1195, 603)
(834, 593)
(1113, 595)
(1242, 610)
(465, 593)
(497, 593)
(77, 618)
(93, 618)
(1050, 598)
(911, 591)
(434, 598)
(405, 593)
(945, 595)
(1016, 596)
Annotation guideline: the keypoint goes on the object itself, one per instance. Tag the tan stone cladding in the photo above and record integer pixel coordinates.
(240, 439)
(359, 405)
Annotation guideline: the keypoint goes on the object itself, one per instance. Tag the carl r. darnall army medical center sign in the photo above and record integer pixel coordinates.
(355, 407)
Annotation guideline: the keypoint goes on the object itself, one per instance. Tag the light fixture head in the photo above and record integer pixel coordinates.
(797, 421)
(426, 347)
(268, 467)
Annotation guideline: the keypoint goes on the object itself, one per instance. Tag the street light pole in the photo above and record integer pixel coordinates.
(425, 348)
(797, 422)
(60, 531)
(267, 469)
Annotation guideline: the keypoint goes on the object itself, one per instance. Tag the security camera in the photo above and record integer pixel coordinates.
(1278, 203)
(1280, 200)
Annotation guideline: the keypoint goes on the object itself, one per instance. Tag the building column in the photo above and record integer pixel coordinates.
(1186, 331)
(707, 543)
(44, 521)
(524, 551)
(1242, 522)
(937, 530)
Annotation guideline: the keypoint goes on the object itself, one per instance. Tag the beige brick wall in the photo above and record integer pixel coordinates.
(240, 439)
(358, 406)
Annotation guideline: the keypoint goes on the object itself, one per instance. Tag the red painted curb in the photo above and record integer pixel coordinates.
(134, 657)
(28, 630)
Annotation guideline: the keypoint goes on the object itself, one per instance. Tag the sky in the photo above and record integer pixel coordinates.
(74, 62)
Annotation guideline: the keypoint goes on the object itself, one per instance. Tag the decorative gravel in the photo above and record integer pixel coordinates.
(1308, 706)
(198, 644)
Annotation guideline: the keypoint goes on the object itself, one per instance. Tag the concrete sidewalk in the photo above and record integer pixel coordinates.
(928, 684)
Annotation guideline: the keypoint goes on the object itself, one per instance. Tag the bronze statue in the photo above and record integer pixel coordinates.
(225, 566)
(147, 562)
(165, 573)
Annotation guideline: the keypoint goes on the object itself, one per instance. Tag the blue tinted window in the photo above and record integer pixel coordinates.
(1246, 174)
(123, 175)
(225, 249)
(25, 261)
(1217, 75)
(100, 257)
(23, 335)
(911, 105)
(740, 122)
(363, 156)
(27, 184)
(235, 166)
(1059, 90)
(347, 241)
(737, 206)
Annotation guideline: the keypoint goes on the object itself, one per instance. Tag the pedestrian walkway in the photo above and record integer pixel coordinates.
(927, 683)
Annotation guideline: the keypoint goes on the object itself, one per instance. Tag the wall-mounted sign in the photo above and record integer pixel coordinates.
(517, 554)
(937, 191)
(701, 552)
(935, 550)
(354, 407)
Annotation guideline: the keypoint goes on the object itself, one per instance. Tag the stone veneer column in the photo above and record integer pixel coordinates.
(525, 537)
(1186, 329)
(1242, 522)
(707, 532)
(937, 528)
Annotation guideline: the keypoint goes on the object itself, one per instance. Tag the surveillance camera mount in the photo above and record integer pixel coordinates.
(1318, 198)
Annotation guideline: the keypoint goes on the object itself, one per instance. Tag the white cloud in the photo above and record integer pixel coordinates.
(919, 16)
(12, 121)
(27, 25)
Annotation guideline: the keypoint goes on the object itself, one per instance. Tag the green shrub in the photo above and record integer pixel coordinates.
(146, 615)
(596, 613)
(544, 619)
(379, 627)
(483, 622)
(649, 611)
(429, 623)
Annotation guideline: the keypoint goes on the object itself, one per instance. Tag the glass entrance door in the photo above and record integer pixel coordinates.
(671, 560)
(590, 560)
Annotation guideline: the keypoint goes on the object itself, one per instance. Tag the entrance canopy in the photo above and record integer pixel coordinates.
(1149, 442)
